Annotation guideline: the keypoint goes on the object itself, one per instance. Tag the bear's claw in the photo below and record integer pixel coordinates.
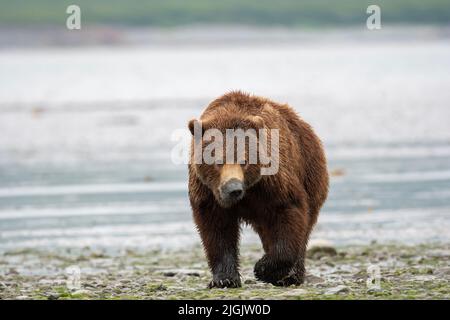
(225, 283)
(289, 280)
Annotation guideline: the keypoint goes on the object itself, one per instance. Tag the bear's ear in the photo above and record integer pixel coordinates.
(257, 121)
(203, 124)
(192, 124)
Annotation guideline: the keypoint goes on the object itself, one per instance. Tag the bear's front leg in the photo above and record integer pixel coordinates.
(220, 237)
(284, 241)
(280, 271)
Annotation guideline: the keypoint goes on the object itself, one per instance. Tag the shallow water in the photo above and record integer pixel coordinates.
(85, 137)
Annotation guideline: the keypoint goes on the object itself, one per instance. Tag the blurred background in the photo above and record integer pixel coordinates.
(86, 116)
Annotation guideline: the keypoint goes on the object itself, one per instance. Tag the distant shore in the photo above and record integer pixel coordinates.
(215, 35)
(253, 12)
(406, 272)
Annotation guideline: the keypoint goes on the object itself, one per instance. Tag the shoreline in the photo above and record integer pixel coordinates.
(406, 272)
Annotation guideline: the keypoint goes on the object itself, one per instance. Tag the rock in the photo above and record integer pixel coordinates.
(361, 274)
(12, 271)
(312, 279)
(53, 296)
(337, 290)
(250, 281)
(330, 264)
(157, 287)
(443, 272)
(424, 278)
(97, 255)
(337, 172)
(81, 292)
(294, 293)
(37, 111)
(374, 290)
(185, 272)
(320, 248)
(439, 253)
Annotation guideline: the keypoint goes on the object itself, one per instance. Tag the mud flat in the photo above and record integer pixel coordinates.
(406, 272)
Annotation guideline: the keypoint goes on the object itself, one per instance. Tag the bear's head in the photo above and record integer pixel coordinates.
(224, 155)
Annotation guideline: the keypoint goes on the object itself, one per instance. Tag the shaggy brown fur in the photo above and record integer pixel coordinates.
(281, 208)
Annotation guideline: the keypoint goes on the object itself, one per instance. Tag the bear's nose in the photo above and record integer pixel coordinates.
(233, 189)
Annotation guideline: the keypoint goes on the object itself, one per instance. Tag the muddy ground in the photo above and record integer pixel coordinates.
(406, 272)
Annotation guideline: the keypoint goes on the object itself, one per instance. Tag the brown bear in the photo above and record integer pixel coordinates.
(282, 207)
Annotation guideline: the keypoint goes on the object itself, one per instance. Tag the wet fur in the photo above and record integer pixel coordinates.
(282, 208)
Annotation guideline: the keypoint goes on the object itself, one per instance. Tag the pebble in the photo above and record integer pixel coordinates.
(12, 271)
(373, 290)
(294, 292)
(424, 278)
(82, 292)
(443, 272)
(338, 289)
(187, 272)
(312, 279)
(53, 296)
(320, 248)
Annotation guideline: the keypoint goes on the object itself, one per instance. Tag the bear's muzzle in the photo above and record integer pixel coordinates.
(232, 191)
